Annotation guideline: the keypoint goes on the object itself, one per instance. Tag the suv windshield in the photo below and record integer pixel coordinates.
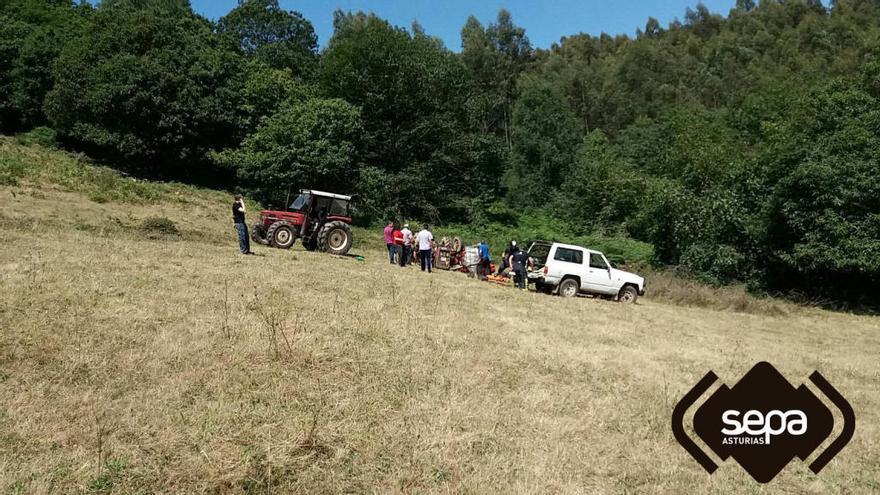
(300, 202)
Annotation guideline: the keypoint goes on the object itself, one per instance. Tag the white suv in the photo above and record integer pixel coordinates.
(570, 270)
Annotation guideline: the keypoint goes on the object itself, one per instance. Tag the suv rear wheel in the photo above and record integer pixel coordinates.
(569, 287)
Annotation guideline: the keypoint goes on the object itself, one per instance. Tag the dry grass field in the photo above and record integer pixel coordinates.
(140, 361)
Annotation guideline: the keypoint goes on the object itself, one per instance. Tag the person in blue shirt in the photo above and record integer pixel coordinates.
(485, 266)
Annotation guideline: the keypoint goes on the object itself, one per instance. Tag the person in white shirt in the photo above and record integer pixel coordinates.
(406, 255)
(426, 247)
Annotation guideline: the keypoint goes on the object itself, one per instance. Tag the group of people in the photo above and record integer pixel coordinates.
(404, 247)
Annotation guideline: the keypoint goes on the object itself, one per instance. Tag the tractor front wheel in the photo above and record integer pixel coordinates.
(335, 238)
(281, 234)
(258, 234)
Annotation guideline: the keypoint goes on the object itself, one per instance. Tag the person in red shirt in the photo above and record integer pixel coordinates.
(389, 241)
(397, 236)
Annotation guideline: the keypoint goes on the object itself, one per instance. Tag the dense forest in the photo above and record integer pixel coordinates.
(744, 148)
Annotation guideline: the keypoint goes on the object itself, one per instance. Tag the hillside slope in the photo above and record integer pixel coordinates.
(142, 361)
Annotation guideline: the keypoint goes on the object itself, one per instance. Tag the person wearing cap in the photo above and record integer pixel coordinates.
(508, 251)
(520, 261)
(406, 248)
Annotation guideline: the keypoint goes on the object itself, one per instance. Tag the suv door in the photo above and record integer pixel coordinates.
(568, 261)
(599, 274)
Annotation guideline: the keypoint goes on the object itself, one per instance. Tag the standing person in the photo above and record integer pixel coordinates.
(485, 265)
(519, 260)
(508, 251)
(426, 246)
(389, 241)
(238, 211)
(406, 253)
(397, 235)
(414, 250)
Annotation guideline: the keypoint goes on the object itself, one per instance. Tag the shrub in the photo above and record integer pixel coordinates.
(159, 227)
(618, 248)
(12, 168)
(38, 136)
(714, 264)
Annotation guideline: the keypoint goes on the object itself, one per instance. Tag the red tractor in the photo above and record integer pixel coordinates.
(322, 220)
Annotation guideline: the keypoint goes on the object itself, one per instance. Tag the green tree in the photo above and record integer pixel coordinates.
(414, 95)
(177, 6)
(150, 87)
(282, 39)
(823, 228)
(745, 5)
(308, 143)
(32, 35)
(266, 89)
(546, 134)
(496, 56)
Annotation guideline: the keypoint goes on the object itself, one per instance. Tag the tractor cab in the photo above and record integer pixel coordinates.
(321, 203)
(321, 219)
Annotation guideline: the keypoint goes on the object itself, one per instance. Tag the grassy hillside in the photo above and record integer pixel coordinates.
(136, 359)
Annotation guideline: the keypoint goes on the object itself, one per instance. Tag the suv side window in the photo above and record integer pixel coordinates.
(569, 255)
(596, 261)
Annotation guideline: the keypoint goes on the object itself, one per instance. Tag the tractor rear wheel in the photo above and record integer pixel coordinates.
(281, 234)
(457, 244)
(335, 238)
(258, 234)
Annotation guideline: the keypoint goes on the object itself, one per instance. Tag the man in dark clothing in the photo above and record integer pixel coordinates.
(238, 210)
(508, 252)
(519, 260)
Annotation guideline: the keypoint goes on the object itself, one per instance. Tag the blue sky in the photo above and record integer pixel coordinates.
(545, 21)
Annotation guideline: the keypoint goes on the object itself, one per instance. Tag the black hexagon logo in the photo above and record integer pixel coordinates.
(763, 422)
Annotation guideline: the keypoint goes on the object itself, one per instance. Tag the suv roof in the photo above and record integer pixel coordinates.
(568, 246)
(325, 194)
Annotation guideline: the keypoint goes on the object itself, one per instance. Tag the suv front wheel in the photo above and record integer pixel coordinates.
(628, 294)
(569, 287)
